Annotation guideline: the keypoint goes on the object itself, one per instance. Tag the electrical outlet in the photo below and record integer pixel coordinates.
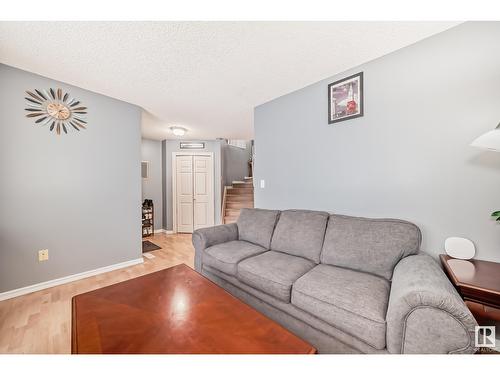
(43, 255)
(262, 184)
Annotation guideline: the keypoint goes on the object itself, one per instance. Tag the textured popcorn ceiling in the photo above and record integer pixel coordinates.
(205, 76)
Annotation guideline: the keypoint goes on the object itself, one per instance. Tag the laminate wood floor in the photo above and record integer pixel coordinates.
(40, 322)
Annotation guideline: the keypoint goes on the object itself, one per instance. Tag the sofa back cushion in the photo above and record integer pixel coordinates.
(300, 233)
(257, 225)
(369, 245)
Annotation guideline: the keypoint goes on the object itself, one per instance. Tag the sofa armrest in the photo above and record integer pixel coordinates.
(425, 312)
(206, 237)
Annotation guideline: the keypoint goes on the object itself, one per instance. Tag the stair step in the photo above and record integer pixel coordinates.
(239, 195)
(238, 205)
(240, 191)
(241, 184)
(239, 198)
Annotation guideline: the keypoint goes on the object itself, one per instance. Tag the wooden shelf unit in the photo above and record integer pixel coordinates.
(148, 218)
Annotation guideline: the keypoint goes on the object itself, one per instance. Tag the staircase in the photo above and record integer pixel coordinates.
(237, 196)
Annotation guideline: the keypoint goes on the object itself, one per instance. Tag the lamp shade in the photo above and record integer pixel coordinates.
(489, 141)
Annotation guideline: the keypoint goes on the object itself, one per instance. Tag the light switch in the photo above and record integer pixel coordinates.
(262, 184)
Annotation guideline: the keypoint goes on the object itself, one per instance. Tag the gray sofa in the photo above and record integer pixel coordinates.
(344, 284)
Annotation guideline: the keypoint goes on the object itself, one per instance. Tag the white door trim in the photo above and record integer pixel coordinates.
(174, 181)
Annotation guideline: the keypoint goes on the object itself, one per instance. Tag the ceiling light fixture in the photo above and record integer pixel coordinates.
(178, 131)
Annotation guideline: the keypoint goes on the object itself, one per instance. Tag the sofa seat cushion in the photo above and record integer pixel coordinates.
(353, 301)
(273, 273)
(226, 256)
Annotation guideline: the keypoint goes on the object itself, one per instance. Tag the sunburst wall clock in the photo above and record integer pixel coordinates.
(56, 109)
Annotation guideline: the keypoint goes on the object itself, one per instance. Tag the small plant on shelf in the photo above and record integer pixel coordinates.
(496, 214)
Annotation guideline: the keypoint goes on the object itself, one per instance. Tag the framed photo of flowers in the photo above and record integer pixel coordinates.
(345, 98)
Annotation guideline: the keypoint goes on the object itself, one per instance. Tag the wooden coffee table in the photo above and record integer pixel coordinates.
(175, 311)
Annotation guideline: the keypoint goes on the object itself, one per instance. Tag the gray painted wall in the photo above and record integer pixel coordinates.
(152, 187)
(409, 156)
(235, 162)
(77, 195)
(170, 146)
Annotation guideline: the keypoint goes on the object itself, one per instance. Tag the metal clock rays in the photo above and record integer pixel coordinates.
(56, 109)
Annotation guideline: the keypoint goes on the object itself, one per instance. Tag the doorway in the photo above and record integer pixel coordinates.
(192, 190)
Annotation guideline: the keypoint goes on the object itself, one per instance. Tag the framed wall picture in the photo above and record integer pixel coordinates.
(345, 98)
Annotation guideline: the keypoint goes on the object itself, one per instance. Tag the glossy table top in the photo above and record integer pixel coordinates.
(175, 310)
(476, 280)
(476, 273)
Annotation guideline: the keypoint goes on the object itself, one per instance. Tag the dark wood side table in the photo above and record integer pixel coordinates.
(478, 282)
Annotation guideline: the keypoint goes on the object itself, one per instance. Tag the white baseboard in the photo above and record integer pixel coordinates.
(164, 231)
(67, 279)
